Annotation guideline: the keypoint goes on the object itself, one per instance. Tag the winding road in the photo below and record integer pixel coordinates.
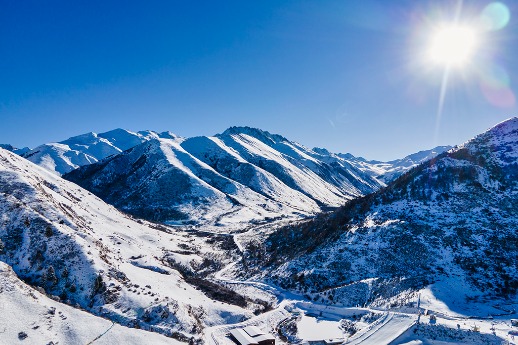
(383, 331)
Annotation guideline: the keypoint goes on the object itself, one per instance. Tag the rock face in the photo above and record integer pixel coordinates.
(60, 238)
(241, 175)
(452, 218)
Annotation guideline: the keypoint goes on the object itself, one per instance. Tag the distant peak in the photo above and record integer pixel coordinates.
(502, 129)
(7, 147)
(321, 151)
(115, 131)
(350, 156)
(257, 133)
(82, 137)
(18, 151)
(168, 135)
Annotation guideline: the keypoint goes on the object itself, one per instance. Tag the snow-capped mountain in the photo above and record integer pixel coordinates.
(449, 221)
(80, 251)
(160, 181)
(389, 171)
(88, 148)
(11, 148)
(242, 174)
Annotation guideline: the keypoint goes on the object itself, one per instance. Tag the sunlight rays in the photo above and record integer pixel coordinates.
(459, 43)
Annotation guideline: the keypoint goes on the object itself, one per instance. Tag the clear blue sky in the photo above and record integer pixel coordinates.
(344, 75)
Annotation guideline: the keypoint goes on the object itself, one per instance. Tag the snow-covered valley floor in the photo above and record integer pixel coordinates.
(372, 326)
(294, 319)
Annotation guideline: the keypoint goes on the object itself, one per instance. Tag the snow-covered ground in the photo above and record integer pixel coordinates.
(316, 322)
(30, 317)
(74, 245)
(456, 311)
(57, 236)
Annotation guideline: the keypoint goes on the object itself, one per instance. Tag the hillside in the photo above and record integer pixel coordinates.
(450, 220)
(36, 318)
(241, 175)
(82, 252)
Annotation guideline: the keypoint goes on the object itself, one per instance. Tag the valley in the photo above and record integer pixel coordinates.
(188, 239)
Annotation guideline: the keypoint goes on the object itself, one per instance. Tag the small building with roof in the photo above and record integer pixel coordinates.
(251, 335)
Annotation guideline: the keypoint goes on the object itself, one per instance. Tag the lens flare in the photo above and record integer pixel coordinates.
(495, 16)
(495, 86)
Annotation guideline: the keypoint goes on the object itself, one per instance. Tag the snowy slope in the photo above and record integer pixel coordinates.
(87, 148)
(453, 218)
(160, 181)
(345, 171)
(227, 162)
(83, 252)
(242, 175)
(298, 167)
(28, 315)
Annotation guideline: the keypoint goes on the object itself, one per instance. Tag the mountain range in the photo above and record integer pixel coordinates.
(98, 243)
(450, 221)
(88, 148)
(244, 174)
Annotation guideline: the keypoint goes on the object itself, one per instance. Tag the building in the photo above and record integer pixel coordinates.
(251, 335)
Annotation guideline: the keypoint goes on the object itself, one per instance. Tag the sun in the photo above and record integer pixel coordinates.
(452, 45)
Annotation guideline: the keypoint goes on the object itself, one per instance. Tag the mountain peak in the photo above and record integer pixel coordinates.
(18, 151)
(505, 127)
(321, 151)
(257, 133)
(498, 145)
(86, 137)
(7, 147)
(117, 130)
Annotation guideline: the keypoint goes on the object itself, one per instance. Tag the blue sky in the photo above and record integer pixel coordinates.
(344, 75)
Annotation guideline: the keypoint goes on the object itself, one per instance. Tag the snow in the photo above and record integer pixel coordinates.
(92, 239)
(318, 328)
(96, 239)
(43, 320)
(87, 148)
(385, 331)
(304, 179)
(268, 175)
(389, 171)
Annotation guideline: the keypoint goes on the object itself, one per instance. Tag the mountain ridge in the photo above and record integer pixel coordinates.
(450, 219)
(87, 148)
(255, 175)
